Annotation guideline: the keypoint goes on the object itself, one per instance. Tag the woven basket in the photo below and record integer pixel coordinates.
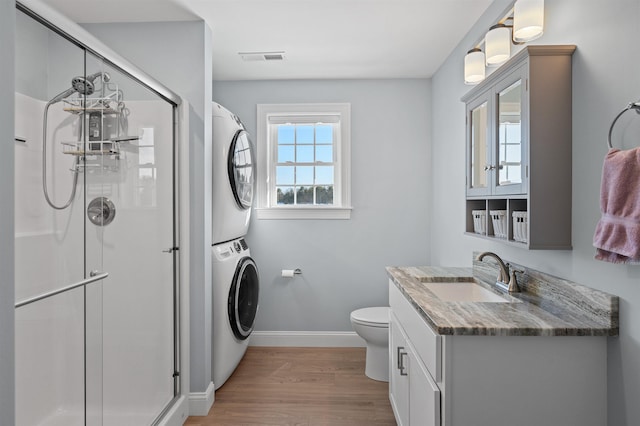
(499, 220)
(479, 221)
(520, 228)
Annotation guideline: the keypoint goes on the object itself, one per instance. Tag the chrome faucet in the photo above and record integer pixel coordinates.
(505, 281)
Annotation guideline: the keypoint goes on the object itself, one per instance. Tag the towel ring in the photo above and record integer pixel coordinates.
(632, 105)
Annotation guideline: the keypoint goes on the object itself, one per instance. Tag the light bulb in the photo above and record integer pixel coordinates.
(497, 45)
(528, 20)
(474, 71)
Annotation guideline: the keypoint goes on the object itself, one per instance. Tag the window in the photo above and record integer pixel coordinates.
(304, 158)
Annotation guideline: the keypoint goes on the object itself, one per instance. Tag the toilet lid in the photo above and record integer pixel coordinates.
(376, 317)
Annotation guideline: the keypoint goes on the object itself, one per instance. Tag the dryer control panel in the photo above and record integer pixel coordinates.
(226, 250)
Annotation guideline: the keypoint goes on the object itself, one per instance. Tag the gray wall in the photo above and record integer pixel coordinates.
(7, 375)
(31, 57)
(606, 67)
(343, 261)
(178, 54)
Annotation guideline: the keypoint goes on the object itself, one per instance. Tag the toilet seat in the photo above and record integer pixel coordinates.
(371, 317)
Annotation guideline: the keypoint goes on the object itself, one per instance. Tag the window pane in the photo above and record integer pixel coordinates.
(510, 174)
(285, 153)
(304, 175)
(286, 133)
(304, 134)
(324, 133)
(324, 175)
(304, 153)
(513, 133)
(285, 195)
(324, 195)
(513, 154)
(285, 175)
(304, 195)
(324, 153)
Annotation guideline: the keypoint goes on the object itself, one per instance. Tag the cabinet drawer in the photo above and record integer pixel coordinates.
(426, 342)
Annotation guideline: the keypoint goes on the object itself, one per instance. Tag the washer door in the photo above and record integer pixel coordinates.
(243, 298)
(240, 166)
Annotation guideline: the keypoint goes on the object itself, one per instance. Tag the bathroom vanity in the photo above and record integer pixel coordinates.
(465, 354)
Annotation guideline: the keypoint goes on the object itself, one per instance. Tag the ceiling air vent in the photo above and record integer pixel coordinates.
(261, 56)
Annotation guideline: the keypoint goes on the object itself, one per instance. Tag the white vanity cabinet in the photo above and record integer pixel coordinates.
(478, 380)
(518, 151)
(398, 372)
(414, 396)
(415, 365)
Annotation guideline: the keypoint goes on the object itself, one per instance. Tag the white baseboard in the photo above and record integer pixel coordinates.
(320, 339)
(177, 415)
(201, 402)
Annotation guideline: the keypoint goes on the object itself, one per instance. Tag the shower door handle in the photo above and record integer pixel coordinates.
(92, 278)
(171, 250)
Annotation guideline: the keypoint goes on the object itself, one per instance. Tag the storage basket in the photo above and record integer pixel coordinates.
(499, 220)
(520, 228)
(479, 221)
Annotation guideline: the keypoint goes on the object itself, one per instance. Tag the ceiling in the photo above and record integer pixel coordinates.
(320, 38)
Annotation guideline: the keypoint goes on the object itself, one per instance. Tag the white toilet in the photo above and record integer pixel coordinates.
(372, 324)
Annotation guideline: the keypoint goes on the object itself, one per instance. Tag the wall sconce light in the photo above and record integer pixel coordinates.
(528, 20)
(497, 45)
(474, 71)
(528, 24)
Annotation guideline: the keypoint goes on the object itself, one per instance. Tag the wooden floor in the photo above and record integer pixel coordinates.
(302, 387)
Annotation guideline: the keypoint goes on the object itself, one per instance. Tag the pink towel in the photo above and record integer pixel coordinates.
(617, 236)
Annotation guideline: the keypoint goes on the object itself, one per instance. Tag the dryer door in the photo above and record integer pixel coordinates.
(240, 166)
(243, 298)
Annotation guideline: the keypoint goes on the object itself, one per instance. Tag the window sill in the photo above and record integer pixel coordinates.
(304, 213)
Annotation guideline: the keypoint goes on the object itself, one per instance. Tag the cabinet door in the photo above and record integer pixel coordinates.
(398, 372)
(424, 395)
(478, 146)
(510, 136)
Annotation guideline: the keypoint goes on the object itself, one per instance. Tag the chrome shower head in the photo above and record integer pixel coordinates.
(81, 85)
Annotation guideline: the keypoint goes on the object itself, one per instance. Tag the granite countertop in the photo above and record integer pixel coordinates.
(547, 305)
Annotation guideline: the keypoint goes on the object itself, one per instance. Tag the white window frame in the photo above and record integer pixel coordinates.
(268, 115)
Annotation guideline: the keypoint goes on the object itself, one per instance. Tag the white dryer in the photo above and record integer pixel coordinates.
(233, 176)
(236, 286)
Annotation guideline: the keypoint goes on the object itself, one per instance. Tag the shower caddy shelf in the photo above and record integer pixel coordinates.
(111, 104)
(102, 148)
(82, 105)
(106, 147)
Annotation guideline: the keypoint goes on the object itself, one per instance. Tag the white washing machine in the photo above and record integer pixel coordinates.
(236, 286)
(233, 176)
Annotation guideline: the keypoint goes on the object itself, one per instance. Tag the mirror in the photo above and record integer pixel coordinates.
(479, 147)
(510, 134)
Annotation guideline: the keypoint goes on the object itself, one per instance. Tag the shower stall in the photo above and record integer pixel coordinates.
(96, 240)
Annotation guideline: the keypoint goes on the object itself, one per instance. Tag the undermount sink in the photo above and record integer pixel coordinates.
(463, 292)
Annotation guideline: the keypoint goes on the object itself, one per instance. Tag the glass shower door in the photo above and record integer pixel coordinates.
(136, 246)
(51, 275)
(94, 173)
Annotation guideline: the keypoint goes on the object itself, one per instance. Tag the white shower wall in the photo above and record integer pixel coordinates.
(129, 317)
(48, 255)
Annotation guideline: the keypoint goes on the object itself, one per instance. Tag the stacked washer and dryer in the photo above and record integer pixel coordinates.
(235, 278)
